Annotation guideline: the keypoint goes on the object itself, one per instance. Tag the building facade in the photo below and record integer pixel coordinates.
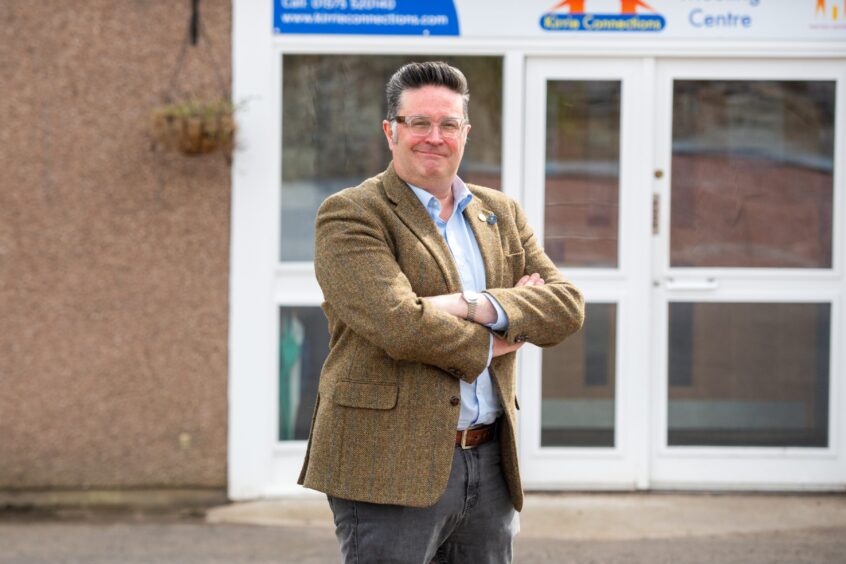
(682, 162)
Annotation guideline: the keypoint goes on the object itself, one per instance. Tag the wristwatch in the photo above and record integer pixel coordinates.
(472, 299)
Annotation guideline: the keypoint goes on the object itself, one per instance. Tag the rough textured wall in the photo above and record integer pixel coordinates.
(113, 255)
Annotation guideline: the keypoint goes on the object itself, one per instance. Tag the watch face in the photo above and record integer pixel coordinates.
(471, 297)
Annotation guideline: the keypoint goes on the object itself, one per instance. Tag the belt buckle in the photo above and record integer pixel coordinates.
(464, 440)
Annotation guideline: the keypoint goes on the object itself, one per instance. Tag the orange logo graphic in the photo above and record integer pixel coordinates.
(576, 6)
(631, 6)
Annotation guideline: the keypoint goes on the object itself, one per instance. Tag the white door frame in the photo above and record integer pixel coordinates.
(625, 465)
(746, 467)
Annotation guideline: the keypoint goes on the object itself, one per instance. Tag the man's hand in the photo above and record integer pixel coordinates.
(533, 280)
(501, 346)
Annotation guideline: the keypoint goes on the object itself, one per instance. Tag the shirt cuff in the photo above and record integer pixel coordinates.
(490, 351)
(501, 323)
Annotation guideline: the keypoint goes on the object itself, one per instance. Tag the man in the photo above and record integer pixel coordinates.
(430, 287)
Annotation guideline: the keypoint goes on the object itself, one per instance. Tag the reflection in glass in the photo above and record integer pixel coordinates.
(303, 346)
(332, 112)
(749, 374)
(582, 172)
(578, 384)
(752, 173)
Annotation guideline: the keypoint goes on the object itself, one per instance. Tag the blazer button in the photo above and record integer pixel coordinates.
(454, 400)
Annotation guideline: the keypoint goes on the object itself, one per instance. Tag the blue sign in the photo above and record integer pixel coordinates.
(365, 17)
(602, 22)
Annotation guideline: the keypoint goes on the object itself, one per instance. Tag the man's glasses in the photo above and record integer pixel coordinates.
(422, 125)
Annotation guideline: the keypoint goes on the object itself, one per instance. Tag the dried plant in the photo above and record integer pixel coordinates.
(196, 127)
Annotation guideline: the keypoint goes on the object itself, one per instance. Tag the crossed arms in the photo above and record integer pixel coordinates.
(365, 289)
(486, 314)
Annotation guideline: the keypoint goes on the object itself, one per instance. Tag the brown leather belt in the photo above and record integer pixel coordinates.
(476, 436)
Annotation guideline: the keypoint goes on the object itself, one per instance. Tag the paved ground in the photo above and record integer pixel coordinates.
(578, 529)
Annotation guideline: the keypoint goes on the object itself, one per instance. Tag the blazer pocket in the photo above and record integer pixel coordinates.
(366, 395)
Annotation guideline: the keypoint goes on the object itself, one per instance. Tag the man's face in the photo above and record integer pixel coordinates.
(428, 161)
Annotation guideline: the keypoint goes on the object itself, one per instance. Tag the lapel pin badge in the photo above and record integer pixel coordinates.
(482, 217)
(491, 219)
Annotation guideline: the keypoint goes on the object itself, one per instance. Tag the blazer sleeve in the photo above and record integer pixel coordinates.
(542, 315)
(365, 287)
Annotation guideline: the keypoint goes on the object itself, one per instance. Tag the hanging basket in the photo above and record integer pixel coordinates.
(195, 123)
(195, 127)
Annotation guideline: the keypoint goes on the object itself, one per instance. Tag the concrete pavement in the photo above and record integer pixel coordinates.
(565, 528)
(624, 516)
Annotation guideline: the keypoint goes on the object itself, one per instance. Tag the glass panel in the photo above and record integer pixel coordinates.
(332, 131)
(578, 382)
(749, 374)
(582, 172)
(753, 173)
(303, 346)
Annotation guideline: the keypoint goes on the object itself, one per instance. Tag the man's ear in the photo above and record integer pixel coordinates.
(389, 134)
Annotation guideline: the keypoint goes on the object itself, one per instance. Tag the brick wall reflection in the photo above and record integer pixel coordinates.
(730, 211)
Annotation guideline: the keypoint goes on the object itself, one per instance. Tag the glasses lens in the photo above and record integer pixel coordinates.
(450, 127)
(419, 125)
(422, 125)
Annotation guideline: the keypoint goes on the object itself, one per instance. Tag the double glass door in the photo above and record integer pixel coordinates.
(699, 205)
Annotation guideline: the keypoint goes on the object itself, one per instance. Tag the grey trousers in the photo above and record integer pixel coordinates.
(473, 522)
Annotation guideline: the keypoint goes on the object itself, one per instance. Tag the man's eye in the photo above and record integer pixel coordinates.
(420, 124)
(450, 126)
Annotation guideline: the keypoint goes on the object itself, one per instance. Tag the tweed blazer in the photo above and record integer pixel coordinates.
(383, 429)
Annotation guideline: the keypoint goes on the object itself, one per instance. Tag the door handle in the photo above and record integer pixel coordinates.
(700, 284)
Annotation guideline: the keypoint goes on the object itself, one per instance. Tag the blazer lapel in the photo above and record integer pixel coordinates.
(412, 213)
(487, 236)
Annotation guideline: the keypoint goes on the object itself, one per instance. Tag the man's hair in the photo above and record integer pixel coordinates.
(418, 75)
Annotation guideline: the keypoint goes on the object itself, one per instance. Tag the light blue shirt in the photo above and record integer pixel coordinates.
(480, 404)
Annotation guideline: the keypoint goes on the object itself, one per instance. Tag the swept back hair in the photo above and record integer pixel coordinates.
(418, 75)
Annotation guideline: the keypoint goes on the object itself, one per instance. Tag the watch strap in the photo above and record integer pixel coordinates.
(471, 310)
(472, 304)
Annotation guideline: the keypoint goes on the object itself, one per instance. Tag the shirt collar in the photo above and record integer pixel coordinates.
(461, 194)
